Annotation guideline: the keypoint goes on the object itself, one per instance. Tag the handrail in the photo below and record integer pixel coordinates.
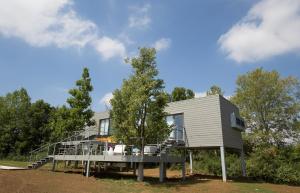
(48, 145)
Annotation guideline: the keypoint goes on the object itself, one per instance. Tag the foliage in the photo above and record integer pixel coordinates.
(181, 93)
(138, 107)
(215, 90)
(275, 165)
(40, 132)
(61, 123)
(80, 102)
(22, 123)
(209, 162)
(270, 105)
(65, 120)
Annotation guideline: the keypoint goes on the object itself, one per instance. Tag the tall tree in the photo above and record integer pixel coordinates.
(15, 122)
(80, 102)
(270, 105)
(61, 123)
(181, 93)
(40, 132)
(138, 107)
(215, 90)
(65, 120)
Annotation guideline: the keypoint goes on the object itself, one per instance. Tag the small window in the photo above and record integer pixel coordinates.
(104, 126)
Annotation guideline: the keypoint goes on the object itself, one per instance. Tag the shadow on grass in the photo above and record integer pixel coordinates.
(148, 180)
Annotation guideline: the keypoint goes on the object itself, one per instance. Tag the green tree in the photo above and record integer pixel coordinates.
(61, 123)
(65, 120)
(15, 123)
(270, 105)
(23, 125)
(215, 90)
(80, 102)
(138, 107)
(181, 93)
(40, 132)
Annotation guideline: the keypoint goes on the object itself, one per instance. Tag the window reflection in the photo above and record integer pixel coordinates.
(104, 126)
(176, 122)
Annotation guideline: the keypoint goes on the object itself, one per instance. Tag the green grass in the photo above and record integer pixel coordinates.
(14, 163)
(252, 187)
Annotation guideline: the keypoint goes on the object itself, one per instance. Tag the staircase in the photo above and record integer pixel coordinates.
(40, 156)
(165, 146)
(39, 163)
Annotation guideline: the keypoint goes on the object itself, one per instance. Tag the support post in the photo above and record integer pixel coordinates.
(183, 170)
(161, 171)
(243, 163)
(223, 164)
(87, 168)
(99, 167)
(191, 162)
(53, 165)
(140, 177)
(134, 168)
(165, 170)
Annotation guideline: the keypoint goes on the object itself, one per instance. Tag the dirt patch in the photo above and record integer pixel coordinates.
(44, 181)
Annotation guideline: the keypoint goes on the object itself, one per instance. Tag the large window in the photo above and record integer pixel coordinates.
(176, 122)
(104, 126)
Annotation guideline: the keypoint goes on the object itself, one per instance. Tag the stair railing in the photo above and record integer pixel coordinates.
(44, 150)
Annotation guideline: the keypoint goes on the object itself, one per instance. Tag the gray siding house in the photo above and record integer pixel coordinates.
(207, 122)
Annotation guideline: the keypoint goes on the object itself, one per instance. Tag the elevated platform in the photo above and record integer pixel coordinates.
(121, 158)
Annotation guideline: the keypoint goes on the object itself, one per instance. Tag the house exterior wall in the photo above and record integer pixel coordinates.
(231, 137)
(98, 116)
(202, 120)
(206, 121)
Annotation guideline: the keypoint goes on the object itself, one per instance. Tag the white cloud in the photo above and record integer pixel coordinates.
(203, 94)
(53, 22)
(200, 94)
(162, 44)
(270, 28)
(106, 99)
(139, 17)
(109, 48)
(45, 22)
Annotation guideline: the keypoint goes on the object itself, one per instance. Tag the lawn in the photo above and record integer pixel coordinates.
(68, 180)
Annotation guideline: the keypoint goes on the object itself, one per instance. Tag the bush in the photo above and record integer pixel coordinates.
(208, 162)
(274, 165)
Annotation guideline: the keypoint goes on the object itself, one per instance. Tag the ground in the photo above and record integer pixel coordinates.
(65, 181)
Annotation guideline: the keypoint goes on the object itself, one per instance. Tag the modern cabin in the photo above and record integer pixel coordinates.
(210, 122)
(207, 122)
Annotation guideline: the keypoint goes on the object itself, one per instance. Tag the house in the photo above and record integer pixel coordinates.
(210, 122)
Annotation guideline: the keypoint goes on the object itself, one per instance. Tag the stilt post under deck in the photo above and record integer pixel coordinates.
(223, 164)
(87, 172)
(53, 164)
(140, 176)
(243, 163)
(183, 170)
(134, 168)
(162, 171)
(191, 162)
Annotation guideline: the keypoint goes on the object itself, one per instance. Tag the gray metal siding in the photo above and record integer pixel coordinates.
(206, 120)
(96, 129)
(202, 120)
(231, 137)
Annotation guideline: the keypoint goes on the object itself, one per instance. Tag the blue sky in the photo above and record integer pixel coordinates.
(45, 44)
